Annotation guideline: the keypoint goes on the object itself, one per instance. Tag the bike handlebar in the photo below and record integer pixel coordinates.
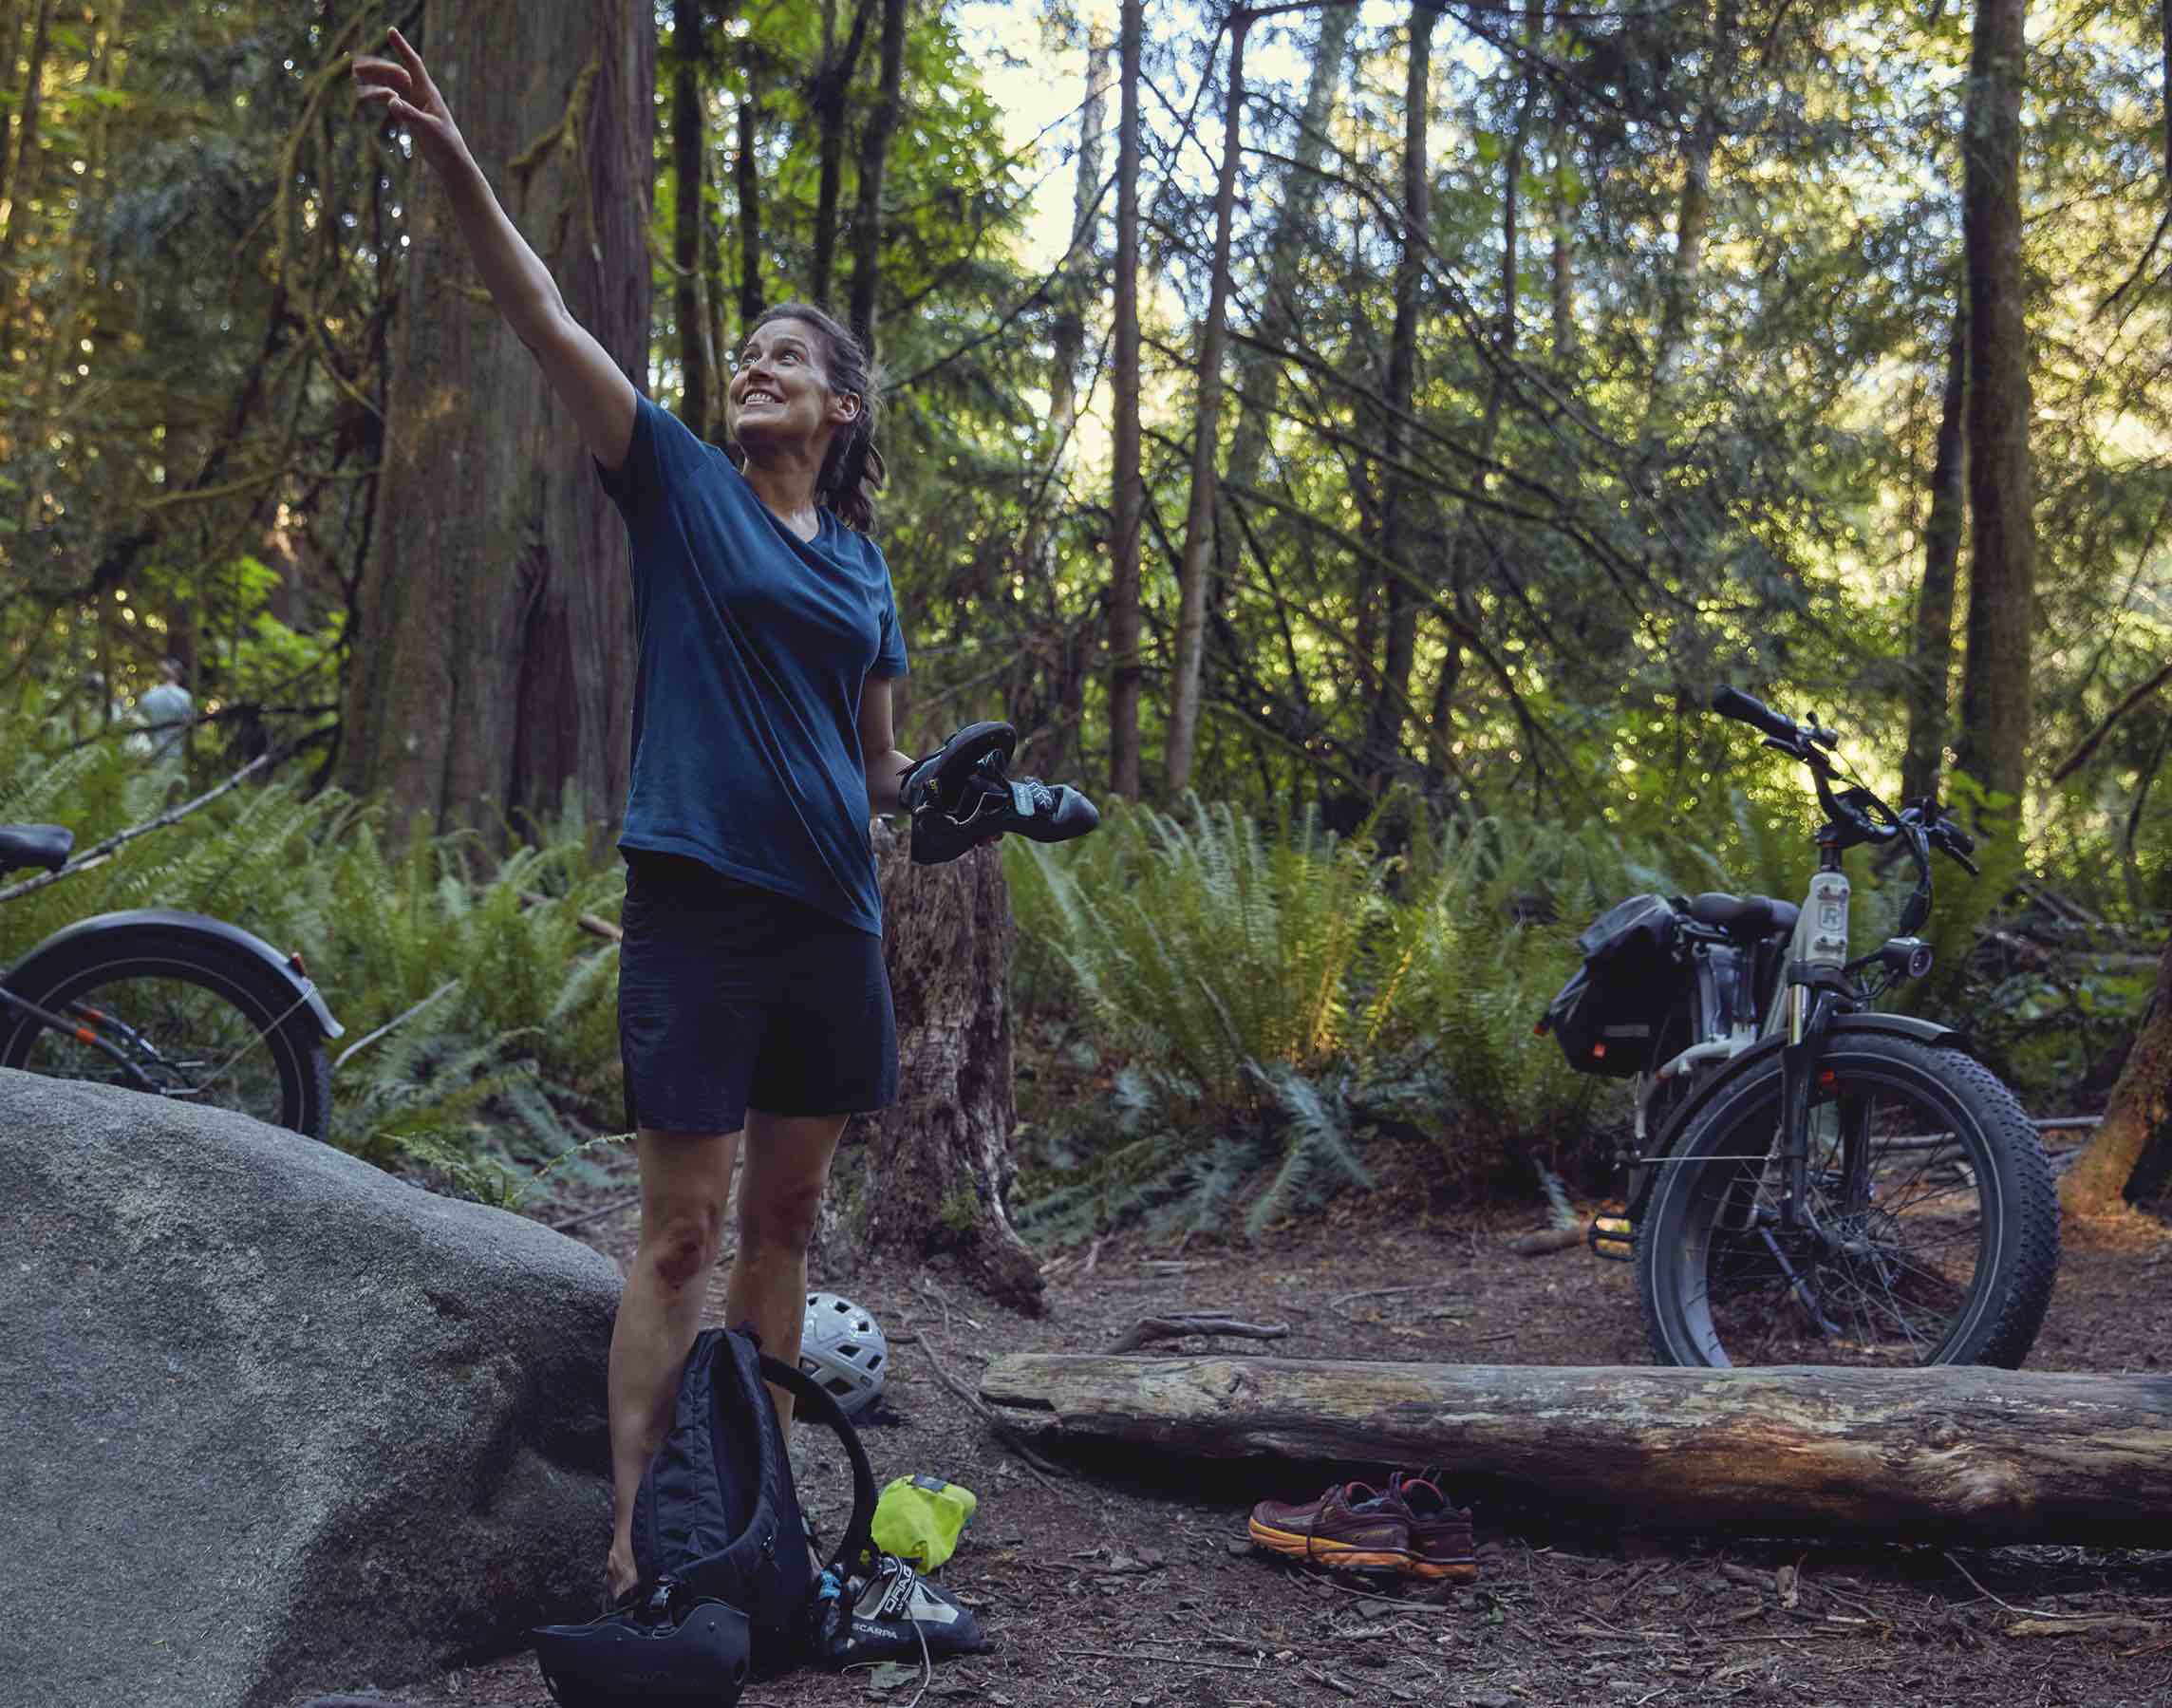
(1744, 709)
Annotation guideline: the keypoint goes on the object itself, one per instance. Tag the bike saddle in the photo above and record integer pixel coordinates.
(963, 794)
(1750, 916)
(46, 845)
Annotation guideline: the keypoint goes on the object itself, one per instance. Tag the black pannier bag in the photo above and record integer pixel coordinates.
(1608, 1016)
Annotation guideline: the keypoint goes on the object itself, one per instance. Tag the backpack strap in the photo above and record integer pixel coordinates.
(815, 1401)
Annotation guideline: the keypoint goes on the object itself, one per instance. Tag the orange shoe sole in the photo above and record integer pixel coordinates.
(1444, 1571)
(1337, 1556)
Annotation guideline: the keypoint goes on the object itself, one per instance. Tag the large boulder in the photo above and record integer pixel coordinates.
(273, 1420)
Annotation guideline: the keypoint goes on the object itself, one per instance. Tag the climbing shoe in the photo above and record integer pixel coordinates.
(963, 794)
(1352, 1527)
(1440, 1538)
(888, 1615)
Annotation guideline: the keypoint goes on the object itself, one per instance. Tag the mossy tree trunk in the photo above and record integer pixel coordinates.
(494, 647)
(2140, 1111)
(929, 1178)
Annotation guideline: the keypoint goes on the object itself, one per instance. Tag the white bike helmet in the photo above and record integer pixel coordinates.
(841, 1348)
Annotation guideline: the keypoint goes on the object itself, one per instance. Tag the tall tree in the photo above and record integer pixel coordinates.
(1390, 699)
(1993, 736)
(1692, 210)
(1279, 323)
(828, 99)
(689, 229)
(1440, 724)
(1206, 442)
(21, 167)
(746, 178)
(875, 158)
(492, 665)
(1931, 655)
(1129, 500)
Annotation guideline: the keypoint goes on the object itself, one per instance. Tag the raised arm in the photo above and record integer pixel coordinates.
(599, 397)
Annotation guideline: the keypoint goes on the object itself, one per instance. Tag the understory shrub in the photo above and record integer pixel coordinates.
(1273, 997)
(481, 1040)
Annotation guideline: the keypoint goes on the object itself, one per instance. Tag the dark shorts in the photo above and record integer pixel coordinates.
(732, 998)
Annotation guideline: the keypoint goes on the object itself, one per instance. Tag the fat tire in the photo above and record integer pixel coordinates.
(264, 999)
(2005, 1310)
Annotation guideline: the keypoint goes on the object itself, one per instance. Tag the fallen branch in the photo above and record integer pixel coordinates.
(1336, 1303)
(1039, 1467)
(1148, 1329)
(588, 922)
(99, 855)
(396, 1021)
(2089, 742)
(1546, 1240)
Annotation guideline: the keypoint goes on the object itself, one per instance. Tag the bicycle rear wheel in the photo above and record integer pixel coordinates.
(1932, 1236)
(188, 1018)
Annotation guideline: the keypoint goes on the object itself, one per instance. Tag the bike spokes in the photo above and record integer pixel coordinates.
(172, 1036)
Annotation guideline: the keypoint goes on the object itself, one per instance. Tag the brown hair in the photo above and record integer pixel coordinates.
(852, 472)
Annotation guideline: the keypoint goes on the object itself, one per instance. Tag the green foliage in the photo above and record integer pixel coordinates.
(1273, 1002)
(495, 1009)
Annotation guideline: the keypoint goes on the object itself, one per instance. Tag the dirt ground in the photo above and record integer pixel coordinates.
(1142, 1593)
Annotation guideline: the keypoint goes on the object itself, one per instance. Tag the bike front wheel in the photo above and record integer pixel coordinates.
(181, 1016)
(1930, 1234)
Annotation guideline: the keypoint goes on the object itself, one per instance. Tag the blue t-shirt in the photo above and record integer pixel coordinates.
(753, 647)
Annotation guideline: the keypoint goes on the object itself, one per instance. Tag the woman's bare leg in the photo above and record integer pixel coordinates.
(787, 1165)
(685, 1183)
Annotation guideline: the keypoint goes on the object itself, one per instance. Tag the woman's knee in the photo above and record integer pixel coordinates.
(680, 1246)
(782, 1220)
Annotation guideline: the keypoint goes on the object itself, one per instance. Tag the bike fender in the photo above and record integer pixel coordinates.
(1753, 1058)
(1899, 1026)
(172, 921)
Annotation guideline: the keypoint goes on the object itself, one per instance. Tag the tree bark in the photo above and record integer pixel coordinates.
(875, 158)
(1931, 657)
(1384, 728)
(492, 663)
(1129, 500)
(688, 237)
(1947, 1455)
(826, 100)
(1259, 368)
(1993, 736)
(930, 1176)
(1692, 215)
(1206, 444)
(2138, 1114)
(748, 182)
(20, 170)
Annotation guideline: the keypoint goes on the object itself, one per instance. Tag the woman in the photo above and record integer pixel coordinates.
(753, 1011)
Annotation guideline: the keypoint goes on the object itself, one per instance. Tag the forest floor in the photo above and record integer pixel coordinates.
(1143, 1593)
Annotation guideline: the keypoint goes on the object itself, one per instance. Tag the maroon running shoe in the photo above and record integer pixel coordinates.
(1441, 1543)
(1352, 1527)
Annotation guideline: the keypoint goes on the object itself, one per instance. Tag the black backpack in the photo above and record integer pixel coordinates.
(1607, 1018)
(717, 1513)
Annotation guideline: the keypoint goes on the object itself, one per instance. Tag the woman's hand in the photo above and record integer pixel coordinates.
(398, 91)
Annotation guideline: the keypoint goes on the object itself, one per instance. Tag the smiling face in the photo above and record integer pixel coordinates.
(780, 397)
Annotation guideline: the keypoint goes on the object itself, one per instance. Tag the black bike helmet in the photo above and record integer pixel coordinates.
(666, 1647)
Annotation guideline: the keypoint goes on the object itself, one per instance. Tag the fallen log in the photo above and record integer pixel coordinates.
(1954, 1455)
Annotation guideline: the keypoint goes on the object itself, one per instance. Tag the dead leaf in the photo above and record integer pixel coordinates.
(892, 1675)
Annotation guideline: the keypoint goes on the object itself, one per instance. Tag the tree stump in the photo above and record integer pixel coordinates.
(1954, 1455)
(929, 1176)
